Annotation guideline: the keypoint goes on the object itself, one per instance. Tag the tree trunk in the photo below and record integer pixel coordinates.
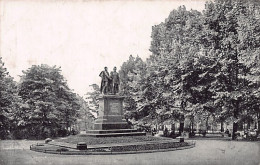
(248, 125)
(234, 130)
(258, 122)
(173, 128)
(181, 129)
(236, 103)
(192, 127)
(221, 126)
(235, 124)
(85, 117)
(207, 124)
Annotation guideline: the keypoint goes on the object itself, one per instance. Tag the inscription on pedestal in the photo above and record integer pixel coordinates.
(111, 111)
(114, 107)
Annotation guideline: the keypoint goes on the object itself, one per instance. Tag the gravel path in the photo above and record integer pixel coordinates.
(206, 152)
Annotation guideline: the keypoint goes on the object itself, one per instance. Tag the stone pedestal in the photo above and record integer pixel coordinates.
(110, 113)
(110, 120)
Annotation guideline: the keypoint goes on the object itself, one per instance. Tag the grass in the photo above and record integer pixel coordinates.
(108, 140)
(130, 144)
(149, 146)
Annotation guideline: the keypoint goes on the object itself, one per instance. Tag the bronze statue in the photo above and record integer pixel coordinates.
(109, 83)
(105, 81)
(115, 81)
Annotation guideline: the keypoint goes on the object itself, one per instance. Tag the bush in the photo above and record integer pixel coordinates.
(20, 133)
(191, 134)
(38, 133)
(173, 135)
(4, 134)
(63, 132)
(74, 132)
(203, 132)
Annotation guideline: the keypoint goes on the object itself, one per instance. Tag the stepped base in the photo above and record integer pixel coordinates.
(110, 122)
(117, 134)
(110, 131)
(114, 133)
(111, 125)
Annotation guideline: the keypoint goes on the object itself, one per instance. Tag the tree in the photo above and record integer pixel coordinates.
(223, 23)
(249, 39)
(52, 106)
(201, 63)
(162, 89)
(8, 100)
(92, 98)
(133, 66)
(85, 116)
(174, 44)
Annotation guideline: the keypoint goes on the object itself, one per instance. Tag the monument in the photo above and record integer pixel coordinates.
(110, 121)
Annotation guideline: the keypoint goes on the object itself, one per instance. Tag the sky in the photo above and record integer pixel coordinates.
(79, 36)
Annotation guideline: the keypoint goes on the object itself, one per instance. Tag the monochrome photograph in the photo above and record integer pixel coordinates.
(134, 82)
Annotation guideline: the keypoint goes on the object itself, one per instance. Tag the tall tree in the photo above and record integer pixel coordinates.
(222, 21)
(52, 106)
(133, 66)
(201, 63)
(8, 100)
(249, 41)
(174, 44)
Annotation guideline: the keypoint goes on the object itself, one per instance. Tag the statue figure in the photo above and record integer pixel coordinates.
(105, 81)
(115, 81)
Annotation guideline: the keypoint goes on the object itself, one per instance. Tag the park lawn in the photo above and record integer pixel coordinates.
(108, 140)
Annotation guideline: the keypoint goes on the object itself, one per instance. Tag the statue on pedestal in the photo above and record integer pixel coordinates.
(115, 81)
(105, 81)
(111, 121)
(109, 83)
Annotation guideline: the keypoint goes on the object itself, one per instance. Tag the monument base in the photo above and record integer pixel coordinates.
(107, 126)
(114, 133)
(110, 121)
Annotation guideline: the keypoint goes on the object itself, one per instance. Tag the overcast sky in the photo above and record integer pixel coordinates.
(80, 36)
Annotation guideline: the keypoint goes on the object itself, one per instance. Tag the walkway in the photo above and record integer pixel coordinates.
(206, 152)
